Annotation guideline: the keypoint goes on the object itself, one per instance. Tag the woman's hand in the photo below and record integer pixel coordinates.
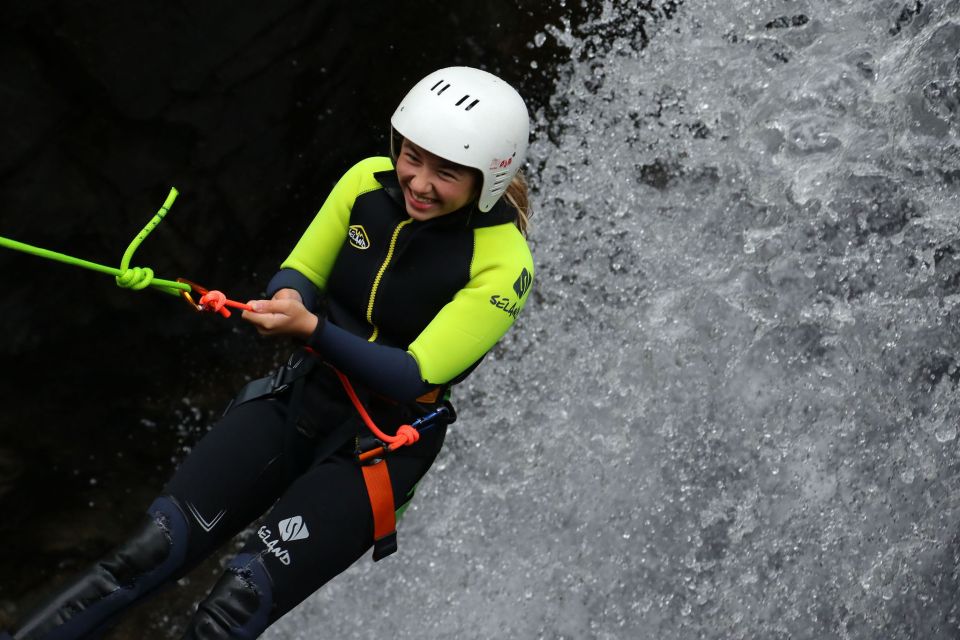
(283, 315)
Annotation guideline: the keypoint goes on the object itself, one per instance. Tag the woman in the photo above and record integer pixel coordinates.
(412, 270)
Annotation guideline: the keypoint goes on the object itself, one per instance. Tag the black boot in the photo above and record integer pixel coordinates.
(137, 568)
(239, 605)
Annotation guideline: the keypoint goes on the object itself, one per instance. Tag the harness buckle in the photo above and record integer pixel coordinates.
(279, 380)
(370, 451)
(382, 547)
(297, 366)
(287, 373)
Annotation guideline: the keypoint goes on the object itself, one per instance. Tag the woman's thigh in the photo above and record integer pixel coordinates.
(236, 471)
(323, 523)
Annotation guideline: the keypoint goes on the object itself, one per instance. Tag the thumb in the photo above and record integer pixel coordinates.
(261, 306)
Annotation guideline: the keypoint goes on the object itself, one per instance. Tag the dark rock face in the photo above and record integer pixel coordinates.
(252, 110)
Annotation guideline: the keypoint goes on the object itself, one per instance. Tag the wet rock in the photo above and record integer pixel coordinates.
(252, 112)
(11, 468)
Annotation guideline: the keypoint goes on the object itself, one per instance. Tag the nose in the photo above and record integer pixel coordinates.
(420, 182)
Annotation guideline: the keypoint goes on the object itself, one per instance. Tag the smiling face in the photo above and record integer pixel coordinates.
(433, 187)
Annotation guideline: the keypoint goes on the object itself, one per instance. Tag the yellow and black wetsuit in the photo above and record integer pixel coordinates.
(441, 293)
(410, 306)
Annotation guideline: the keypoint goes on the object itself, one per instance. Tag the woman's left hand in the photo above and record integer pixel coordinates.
(281, 316)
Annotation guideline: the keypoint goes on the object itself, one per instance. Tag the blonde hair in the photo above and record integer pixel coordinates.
(517, 194)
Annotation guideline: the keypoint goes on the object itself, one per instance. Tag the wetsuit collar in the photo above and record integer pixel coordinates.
(501, 213)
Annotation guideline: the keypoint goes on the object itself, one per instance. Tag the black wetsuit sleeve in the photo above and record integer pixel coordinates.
(389, 371)
(293, 279)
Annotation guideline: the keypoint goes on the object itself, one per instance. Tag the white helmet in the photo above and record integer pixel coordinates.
(470, 117)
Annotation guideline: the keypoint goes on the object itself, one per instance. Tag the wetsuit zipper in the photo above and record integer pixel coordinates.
(376, 280)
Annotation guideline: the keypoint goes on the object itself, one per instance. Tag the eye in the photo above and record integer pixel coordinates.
(449, 172)
(412, 157)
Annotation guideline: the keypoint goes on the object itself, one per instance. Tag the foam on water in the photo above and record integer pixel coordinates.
(730, 408)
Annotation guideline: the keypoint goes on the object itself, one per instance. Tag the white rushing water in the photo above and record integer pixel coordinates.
(730, 408)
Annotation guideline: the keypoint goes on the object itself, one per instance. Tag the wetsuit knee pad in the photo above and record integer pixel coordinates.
(130, 572)
(155, 553)
(239, 605)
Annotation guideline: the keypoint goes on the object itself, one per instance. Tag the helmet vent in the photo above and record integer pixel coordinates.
(499, 178)
(434, 87)
(469, 106)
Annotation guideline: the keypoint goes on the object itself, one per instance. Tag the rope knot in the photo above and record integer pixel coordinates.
(216, 302)
(136, 278)
(406, 435)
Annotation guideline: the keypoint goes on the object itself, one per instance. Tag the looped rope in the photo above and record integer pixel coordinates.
(213, 301)
(406, 434)
(139, 278)
(217, 302)
(136, 278)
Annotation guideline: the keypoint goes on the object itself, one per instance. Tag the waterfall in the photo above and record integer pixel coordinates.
(729, 409)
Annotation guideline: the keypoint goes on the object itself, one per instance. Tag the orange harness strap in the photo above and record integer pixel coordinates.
(376, 475)
(377, 478)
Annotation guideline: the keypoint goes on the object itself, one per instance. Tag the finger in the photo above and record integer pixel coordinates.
(269, 307)
(253, 315)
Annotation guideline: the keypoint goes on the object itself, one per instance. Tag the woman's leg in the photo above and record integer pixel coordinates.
(320, 526)
(230, 478)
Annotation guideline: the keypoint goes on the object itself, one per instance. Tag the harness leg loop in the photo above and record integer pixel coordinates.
(377, 478)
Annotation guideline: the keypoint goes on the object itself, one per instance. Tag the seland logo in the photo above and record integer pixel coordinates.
(358, 237)
(523, 283)
(291, 529)
(507, 303)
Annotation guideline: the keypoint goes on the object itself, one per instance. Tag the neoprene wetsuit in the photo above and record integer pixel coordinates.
(440, 292)
(411, 308)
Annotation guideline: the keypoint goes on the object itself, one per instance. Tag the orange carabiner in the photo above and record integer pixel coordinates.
(194, 287)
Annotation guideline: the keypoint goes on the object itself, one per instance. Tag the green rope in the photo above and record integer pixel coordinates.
(136, 278)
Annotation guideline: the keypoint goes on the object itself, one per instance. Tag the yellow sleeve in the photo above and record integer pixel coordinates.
(317, 249)
(501, 276)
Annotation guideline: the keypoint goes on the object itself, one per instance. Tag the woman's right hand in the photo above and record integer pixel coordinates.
(284, 314)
